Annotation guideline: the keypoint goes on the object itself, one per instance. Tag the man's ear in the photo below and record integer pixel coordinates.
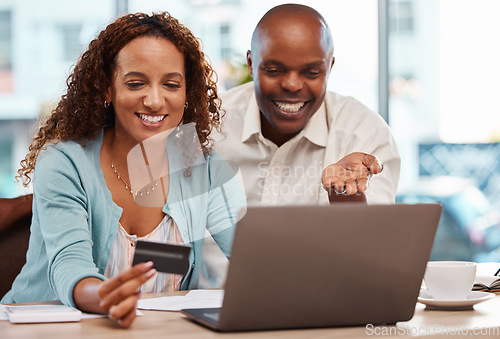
(333, 61)
(249, 62)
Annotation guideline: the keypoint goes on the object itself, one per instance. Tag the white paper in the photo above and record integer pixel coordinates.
(5, 316)
(485, 272)
(194, 299)
(487, 268)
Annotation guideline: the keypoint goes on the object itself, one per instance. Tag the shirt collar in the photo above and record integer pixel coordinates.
(251, 123)
(316, 129)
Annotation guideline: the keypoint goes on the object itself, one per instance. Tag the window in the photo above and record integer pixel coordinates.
(5, 52)
(6, 179)
(443, 67)
(225, 41)
(401, 16)
(70, 35)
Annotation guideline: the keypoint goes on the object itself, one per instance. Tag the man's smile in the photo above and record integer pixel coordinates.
(289, 107)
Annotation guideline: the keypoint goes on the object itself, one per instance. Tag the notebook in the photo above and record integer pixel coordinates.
(324, 266)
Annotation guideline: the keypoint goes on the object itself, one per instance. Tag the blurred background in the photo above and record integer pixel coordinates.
(429, 67)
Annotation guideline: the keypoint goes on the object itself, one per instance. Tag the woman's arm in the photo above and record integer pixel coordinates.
(73, 237)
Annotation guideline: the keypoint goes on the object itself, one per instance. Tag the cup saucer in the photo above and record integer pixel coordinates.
(473, 298)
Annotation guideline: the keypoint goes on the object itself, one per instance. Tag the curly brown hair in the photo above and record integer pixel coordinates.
(80, 114)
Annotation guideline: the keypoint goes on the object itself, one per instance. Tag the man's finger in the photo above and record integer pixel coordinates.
(372, 163)
(339, 187)
(362, 185)
(350, 187)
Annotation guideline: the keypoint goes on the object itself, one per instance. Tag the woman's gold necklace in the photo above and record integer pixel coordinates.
(128, 187)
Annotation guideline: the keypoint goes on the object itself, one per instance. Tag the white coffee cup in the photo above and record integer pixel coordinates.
(450, 280)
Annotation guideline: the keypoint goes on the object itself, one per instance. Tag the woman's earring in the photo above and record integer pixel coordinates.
(106, 104)
(186, 105)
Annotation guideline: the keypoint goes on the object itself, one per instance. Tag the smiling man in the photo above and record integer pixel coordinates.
(290, 61)
(291, 137)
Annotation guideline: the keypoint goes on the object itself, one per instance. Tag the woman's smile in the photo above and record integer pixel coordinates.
(151, 119)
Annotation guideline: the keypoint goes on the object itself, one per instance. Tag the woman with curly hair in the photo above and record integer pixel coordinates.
(142, 87)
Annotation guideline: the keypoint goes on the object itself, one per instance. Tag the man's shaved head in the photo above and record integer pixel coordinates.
(289, 13)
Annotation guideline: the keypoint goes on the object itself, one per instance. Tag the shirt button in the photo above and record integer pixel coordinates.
(132, 244)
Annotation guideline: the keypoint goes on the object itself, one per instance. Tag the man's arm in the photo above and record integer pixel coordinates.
(334, 197)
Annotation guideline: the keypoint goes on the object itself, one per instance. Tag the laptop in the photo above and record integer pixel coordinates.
(324, 266)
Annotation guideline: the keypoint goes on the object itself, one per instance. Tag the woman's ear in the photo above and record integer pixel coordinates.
(107, 96)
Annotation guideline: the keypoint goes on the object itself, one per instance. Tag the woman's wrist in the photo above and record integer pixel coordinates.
(86, 296)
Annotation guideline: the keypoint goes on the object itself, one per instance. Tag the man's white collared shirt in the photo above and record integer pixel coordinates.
(291, 174)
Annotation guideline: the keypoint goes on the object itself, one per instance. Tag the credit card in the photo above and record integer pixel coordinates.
(167, 258)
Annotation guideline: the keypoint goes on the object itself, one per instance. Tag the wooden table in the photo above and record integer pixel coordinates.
(484, 321)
